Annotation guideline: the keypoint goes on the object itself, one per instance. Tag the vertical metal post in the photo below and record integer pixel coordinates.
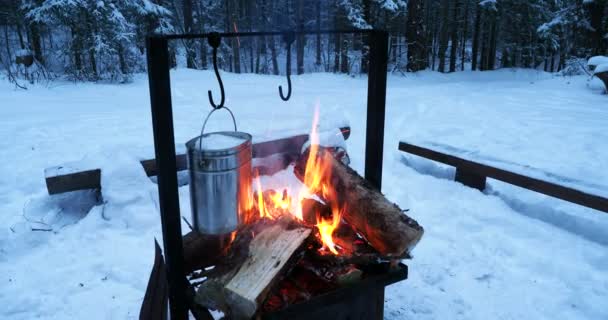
(376, 103)
(164, 146)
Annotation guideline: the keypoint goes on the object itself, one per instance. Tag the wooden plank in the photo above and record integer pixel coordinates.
(60, 180)
(541, 186)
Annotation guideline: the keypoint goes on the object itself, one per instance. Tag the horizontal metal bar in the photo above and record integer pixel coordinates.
(259, 33)
(541, 186)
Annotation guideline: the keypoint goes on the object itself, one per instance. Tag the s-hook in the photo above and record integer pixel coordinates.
(214, 40)
(288, 37)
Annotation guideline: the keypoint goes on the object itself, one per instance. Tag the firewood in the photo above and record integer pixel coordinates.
(352, 247)
(385, 226)
(240, 287)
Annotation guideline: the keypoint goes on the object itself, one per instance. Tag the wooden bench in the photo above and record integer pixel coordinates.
(474, 174)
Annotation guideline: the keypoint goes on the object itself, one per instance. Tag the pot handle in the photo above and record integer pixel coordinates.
(200, 140)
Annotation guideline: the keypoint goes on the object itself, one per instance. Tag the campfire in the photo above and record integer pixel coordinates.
(308, 230)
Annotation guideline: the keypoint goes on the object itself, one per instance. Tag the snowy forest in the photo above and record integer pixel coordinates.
(91, 40)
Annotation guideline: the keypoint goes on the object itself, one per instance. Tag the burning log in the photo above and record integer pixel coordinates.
(353, 247)
(256, 261)
(383, 224)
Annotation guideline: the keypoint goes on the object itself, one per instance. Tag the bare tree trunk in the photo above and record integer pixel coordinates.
(337, 40)
(273, 49)
(434, 39)
(454, 36)
(250, 13)
(20, 34)
(76, 48)
(365, 45)
(415, 35)
(597, 15)
(344, 67)
(262, 61)
(188, 22)
(8, 47)
(505, 60)
(300, 38)
(464, 35)
(35, 40)
(318, 22)
(476, 37)
(273, 53)
(484, 50)
(493, 40)
(93, 63)
(201, 29)
(121, 59)
(443, 34)
(236, 46)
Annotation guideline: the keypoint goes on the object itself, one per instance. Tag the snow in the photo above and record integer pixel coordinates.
(601, 68)
(506, 253)
(218, 141)
(597, 60)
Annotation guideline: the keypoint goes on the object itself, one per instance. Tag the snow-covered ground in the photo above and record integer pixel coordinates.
(506, 254)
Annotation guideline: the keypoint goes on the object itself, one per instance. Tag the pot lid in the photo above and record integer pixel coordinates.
(221, 143)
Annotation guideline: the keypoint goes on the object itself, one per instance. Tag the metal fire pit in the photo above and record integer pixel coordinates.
(164, 146)
(363, 300)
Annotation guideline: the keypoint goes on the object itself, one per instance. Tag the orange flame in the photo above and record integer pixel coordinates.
(260, 199)
(281, 200)
(316, 178)
(316, 181)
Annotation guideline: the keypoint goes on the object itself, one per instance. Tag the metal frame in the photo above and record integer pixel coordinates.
(164, 140)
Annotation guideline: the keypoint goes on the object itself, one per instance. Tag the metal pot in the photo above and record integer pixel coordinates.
(219, 177)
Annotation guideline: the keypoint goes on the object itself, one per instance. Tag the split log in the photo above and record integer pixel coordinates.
(383, 224)
(241, 289)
